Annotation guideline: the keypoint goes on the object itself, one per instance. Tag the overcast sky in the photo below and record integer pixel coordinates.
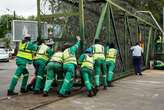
(22, 7)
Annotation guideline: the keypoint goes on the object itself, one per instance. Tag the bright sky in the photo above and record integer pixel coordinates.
(22, 7)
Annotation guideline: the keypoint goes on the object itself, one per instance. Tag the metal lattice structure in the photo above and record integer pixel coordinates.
(109, 20)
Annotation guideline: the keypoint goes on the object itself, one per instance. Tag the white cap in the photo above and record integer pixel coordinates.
(27, 35)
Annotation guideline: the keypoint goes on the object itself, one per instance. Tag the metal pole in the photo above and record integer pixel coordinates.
(108, 24)
(39, 20)
(125, 42)
(116, 36)
(148, 46)
(81, 19)
(103, 13)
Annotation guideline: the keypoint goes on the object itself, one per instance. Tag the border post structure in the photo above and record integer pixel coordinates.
(116, 35)
(39, 20)
(108, 24)
(125, 42)
(81, 19)
(148, 46)
(100, 23)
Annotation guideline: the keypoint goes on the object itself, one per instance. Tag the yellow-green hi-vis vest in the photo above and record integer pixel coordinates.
(42, 52)
(23, 52)
(88, 62)
(159, 40)
(57, 57)
(111, 55)
(98, 52)
(69, 58)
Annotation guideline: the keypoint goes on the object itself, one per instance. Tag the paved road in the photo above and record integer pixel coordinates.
(7, 69)
(131, 93)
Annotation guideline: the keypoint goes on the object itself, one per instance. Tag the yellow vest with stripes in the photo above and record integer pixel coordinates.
(159, 40)
(42, 52)
(69, 58)
(88, 62)
(98, 52)
(57, 57)
(111, 55)
(23, 52)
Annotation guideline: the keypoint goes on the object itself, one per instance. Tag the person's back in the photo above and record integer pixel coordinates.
(137, 50)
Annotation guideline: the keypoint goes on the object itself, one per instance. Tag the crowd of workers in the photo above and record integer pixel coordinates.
(61, 65)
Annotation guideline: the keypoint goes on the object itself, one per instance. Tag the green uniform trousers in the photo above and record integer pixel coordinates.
(69, 70)
(110, 68)
(100, 66)
(21, 70)
(87, 77)
(53, 69)
(40, 73)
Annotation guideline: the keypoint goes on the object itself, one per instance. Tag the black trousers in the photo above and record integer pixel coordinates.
(137, 64)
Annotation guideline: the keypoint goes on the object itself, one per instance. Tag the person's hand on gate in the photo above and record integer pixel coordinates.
(78, 38)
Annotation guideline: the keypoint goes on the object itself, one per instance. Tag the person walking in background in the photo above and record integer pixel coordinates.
(137, 52)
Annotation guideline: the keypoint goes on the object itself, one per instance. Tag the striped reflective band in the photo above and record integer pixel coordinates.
(15, 76)
(104, 75)
(96, 76)
(25, 75)
(86, 82)
(40, 77)
(66, 80)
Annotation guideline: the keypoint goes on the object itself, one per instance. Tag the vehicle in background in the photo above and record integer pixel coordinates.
(4, 55)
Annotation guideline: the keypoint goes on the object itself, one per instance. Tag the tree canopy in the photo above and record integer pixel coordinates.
(155, 6)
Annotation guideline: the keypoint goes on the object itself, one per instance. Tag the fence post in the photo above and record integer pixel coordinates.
(81, 19)
(148, 46)
(103, 13)
(116, 36)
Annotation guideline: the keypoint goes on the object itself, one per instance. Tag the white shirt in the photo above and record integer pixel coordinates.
(137, 50)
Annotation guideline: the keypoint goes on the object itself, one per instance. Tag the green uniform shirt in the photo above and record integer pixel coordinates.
(74, 48)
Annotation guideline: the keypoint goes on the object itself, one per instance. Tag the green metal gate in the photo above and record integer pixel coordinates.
(109, 21)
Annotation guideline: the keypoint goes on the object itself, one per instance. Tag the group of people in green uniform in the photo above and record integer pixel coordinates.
(61, 65)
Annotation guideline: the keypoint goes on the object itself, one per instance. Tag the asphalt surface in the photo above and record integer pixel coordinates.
(7, 69)
(132, 93)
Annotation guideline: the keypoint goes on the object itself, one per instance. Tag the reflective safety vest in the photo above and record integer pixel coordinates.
(111, 55)
(23, 52)
(88, 62)
(98, 52)
(42, 52)
(69, 58)
(57, 57)
(159, 40)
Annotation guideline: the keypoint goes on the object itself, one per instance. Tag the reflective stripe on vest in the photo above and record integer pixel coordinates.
(23, 52)
(57, 57)
(98, 52)
(69, 58)
(88, 62)
(111, 55)
(42, 52)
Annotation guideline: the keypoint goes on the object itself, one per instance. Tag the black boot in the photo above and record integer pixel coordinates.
(97, 89)
(36, 92)
(94, 91)
(45, 94)
(62, 95)
(29, 87)
(105, 87)
(11, 93)
(110, 84)
(91, 94)
(23, 90)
